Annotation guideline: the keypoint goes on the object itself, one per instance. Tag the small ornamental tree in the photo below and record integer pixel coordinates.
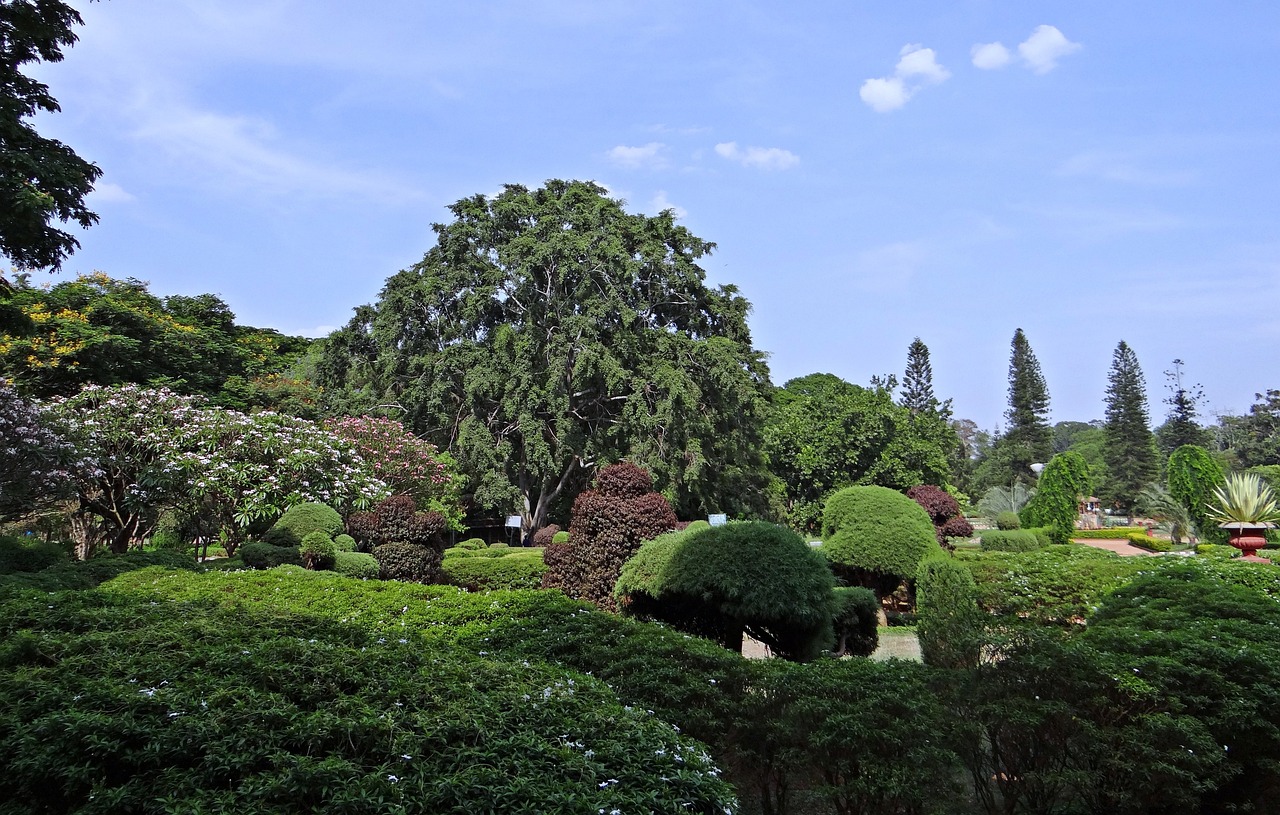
(950, 621)
(407, 464)
(875, 536)
(1193, 476)
(1056, 504)
(746, 576)
(607, 526)
(407, 543)
(943, 510)
(37, 465)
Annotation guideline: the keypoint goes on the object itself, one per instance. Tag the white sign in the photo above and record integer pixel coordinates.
(513, 521)
(717, 520)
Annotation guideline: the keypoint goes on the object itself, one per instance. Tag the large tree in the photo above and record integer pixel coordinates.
(549, 331)
(1028, 438)
(1132, 460)
(1181, 427)
(42, 181)
(917, 383)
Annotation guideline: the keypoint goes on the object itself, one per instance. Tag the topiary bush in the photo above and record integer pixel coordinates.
(1012, 540)
(317, 551)
(876, 536)
(344, 543)
(856, 621)
(560, 537)
(300, 520)
(519, 569)
(257, 555)
(546, 535)
(950, 623)
(695, 526)
(1008, 520)
(393, 531)
(408, 562)
(745, 577)
(608, 525)
(357, 565)
(1056, 504)
(943, 510)
(472, 543)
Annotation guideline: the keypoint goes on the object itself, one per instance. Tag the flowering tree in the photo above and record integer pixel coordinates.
(36, 464)
(407, 464)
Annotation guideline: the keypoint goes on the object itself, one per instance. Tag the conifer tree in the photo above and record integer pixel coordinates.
(1130, 452)
(1029, 438)
(1181, 427)
(917, 382)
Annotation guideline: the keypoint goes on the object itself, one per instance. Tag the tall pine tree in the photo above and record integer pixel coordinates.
(917, 383)
(1130, 452)
(1181, 427)
(1029, 439)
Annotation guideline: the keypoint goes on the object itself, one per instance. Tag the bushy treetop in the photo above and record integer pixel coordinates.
(878, 530)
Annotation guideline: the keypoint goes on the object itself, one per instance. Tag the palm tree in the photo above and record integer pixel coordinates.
(1005, 499)
(1156, 502)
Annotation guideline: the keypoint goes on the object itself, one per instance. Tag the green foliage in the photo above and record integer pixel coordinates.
(472, 543)
(560, 537)
(1012, 540)
(856, 621)
(344, 543)
(1259, 436)
(1060, 585)
(257, 555)
(608, 525)
(825, 434)
(514, 569)
(568, 331)
(695, 526)
(1008, 520)
(18, 555)
(1193, 474)
(317, 551)
(1028, 439)
(877, 531)
(1155, 502)
(950, 622)
(1004, 499)
(356, 565)
(1109, 533)
(1244, 498)
(408, 562)
(745, 576)
(1145, 541)
(76, 574)
(301, 520)
(1217, 550)
(1132, 458)
(1056, 504)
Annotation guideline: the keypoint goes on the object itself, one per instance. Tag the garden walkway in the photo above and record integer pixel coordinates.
(1120, 547)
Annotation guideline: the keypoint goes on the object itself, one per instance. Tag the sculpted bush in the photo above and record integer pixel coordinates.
(943, 510)
(407, 543)
(876, 536)
(301, 520)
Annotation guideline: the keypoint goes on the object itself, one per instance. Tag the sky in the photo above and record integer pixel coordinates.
(1087, 171)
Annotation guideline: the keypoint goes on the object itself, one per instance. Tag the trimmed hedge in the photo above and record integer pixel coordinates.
(472, 543)
(408, 561)
(519, 569)
(1012, 540)
(1112, 533)
(1060, 585)
(257, 555)
(876, 530)
(950, 623)
(357, 565)
(300, 520)
(317, 551)
(1007, 521)
(1145, 541)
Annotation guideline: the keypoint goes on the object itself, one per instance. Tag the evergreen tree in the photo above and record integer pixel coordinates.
(1029, 438)
(1130, 453)
(917, 382)
(1181, 427)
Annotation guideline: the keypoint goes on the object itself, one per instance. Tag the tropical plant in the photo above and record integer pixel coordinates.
(1005, 499)
(1246, 499)
(1156, 502)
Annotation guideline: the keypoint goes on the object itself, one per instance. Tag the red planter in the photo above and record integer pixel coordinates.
(1248, 539)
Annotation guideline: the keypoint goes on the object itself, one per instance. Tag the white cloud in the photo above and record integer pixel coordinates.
(766, 158)
(660, 203)
(990, 56)
(109, 193)
(916, 63)
(1046, 45)
(647, 155)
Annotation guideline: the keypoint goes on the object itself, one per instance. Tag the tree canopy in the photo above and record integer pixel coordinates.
(1130, 452)
(1028, 439)
(549, 330)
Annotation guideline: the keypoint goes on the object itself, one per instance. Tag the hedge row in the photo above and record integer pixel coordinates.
(1112, 533)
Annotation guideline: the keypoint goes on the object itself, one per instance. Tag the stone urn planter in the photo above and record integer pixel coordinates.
(1248, 538)
(1246, 507)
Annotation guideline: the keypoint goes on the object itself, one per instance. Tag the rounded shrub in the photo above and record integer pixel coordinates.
(878, 533)
(1012, 540)
(745, 577)
(405, 561)
(472, 543)
(318, 551)
(1008, 520)
(300, 520)
(257, 555)
(344, 543)
(357, 565)
(545, 535)
(521, 569)
(560, 537)
(856, 621)
(695, 526)
(950, 622)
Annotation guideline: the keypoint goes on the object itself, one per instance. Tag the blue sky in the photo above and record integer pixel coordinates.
(871, 172)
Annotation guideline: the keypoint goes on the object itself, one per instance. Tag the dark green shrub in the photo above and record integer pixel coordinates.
(950, 623)
(405, 561)
(1013, 540)
(166, 537)
(560, 537)
(1008, 520)
(472, 543)
(1044, 535)
(746, 576)
(357, 565)
(607, 526)
(1056, 504)
(856, 621)
(1059, 584)
(18, 555)
(877, 536)
(344, 543)
(1193, 475)
(300, 520)
(74, 574)
(318, 551)
(267, 556)
(521, 569)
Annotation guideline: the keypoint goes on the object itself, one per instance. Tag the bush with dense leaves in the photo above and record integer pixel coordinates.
(472, 543)
(1056, 504)
(32, 555)
(1012, 540)
(300, 520)
(357, 565)
(546, 535)
(1193, 476)
(74, 574)
(943, 510)
(746, 576)
(876, 536)
(407, 543)
(950, 622)
(317, 551)
(344, 543)
(1061, 585)
(517, 569)
(405, 561)
(856, 621)
(607, 526)
(1007, 521)
(257, 555)
(1110, 533)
